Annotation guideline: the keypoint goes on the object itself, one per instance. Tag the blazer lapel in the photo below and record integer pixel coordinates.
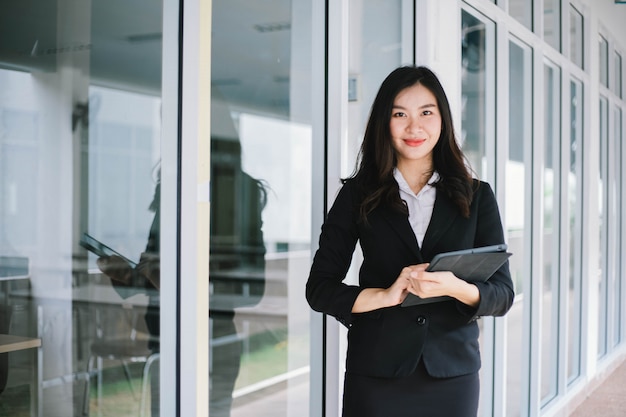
(400, 224)
(444, 213)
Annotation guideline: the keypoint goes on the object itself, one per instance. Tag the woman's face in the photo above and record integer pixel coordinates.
(415, 125)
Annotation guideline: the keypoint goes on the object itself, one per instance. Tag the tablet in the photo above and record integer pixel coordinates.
(476, 264)
(484, 249)
(100, 249)
(472, 265)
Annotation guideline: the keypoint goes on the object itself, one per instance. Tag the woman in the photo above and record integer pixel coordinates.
(410, 198)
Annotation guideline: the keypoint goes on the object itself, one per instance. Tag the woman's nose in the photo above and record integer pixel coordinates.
(414, 125)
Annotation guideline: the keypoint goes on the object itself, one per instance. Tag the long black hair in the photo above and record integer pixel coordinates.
(377, 157)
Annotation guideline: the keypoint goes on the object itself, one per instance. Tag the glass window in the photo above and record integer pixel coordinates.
(604, 61)
(522, 11)
(603, 188)
(80, 140)
(615, 243)
(552, 23)
(374, 51)
(618, 86)
(516, 203)
(551, 242)
(576, 36)
(261, 194)
(477, 121)
(574, 216)
(620, 282)
(478, 92)
(610, 282)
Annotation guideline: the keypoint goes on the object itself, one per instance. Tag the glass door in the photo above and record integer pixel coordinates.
(80, 140)
(261, 198)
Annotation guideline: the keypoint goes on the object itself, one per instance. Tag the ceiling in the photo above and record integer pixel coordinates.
(251, 42)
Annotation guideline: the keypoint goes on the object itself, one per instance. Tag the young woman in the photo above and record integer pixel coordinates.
(411, 197)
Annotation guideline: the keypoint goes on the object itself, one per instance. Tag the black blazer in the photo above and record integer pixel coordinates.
(389, 342)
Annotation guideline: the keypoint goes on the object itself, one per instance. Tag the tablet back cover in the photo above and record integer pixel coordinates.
(469, 266)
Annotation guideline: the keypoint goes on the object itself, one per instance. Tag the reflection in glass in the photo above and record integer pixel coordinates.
(604, 61)
(477, 90)
(574, 184)
(603, 238)
(520, 136)
(576, 36)
(260, 237)
(552, 23)
(124, 202)
(551, 208)
(237, 263)
(80, 133)
(19, 169)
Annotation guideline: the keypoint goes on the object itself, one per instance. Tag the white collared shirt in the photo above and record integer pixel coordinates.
(420, 205)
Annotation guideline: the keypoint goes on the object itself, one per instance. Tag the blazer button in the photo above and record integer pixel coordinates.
(421, 320)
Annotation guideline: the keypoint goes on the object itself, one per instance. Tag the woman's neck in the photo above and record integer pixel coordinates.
(416, 176)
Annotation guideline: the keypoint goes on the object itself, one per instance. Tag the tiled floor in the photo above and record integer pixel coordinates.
(608, 399)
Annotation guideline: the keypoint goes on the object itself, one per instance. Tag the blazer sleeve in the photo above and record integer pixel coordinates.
(325, 291)
(497, 293)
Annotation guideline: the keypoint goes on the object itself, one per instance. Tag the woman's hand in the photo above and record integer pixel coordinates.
(374, 298)
(435, 284)
(115, 268)
(150, 267)
(414, 279)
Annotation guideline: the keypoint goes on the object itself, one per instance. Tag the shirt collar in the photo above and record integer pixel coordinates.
(404, 186)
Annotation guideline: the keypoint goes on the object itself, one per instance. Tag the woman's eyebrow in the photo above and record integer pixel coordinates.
(424, 106)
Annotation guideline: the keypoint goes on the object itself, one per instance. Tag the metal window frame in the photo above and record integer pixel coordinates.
(185, 197)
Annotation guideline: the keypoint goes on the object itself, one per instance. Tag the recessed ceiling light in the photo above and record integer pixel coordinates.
(145, 37)
(273, 27)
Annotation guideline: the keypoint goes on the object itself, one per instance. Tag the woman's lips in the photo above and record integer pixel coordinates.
(414, 142)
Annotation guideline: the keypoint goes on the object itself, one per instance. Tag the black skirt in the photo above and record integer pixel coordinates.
(418, 395)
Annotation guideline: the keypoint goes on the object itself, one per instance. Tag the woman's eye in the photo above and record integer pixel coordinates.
(427, 113)
(399, 114)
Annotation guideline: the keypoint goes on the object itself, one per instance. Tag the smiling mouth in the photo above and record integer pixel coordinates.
(414, 142)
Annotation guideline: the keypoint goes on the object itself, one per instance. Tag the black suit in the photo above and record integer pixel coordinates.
(389, 342)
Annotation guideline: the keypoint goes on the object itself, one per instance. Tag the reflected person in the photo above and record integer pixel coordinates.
(237, 260)
(144, 278)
